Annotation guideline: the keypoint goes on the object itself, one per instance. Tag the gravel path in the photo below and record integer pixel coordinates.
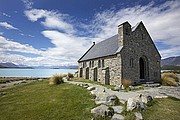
(156, 92)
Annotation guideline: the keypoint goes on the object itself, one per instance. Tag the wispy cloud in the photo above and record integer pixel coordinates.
(161, 21)
(28, 3)
(52, 19)
(9, 46)
(7, 25)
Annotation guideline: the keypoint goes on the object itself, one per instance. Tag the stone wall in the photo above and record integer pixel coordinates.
(111, 62)
(139, 45)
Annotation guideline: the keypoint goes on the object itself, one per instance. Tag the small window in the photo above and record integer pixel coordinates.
(142, 36)
(84, 64)
(131, 62)
(102, 62)
(90, 64)
(99, 63)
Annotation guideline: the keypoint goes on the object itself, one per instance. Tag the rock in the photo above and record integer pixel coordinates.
(117, 109)
(162, 96)
(132, 87)
(131, 104)
(117, 117)
(138, 102)
(24, 81)
(105, 98)
(91, 88)
(116, 88)
(102, 110)
(2, 93)
(138, 116)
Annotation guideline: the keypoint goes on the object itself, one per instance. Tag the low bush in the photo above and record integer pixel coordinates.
(56, 79)
(169, 79)
(70, 75)
(126, 83)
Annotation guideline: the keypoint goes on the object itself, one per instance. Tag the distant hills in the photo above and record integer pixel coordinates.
(171, 63)
(175, 61)
(12, 65)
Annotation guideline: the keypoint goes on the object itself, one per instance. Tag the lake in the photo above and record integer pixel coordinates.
(33, 72)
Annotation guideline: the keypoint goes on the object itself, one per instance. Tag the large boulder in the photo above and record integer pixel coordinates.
(102, 111)
(138, 102)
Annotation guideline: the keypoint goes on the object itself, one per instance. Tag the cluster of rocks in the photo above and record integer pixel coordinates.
(139, 100)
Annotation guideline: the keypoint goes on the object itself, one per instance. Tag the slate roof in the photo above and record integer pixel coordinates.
(103, 48)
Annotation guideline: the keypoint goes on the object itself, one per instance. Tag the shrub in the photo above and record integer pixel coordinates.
(126, 83)
(169, 79)
(70, 75)
(56, 79)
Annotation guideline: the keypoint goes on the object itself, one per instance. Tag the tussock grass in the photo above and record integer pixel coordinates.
(169, 79)
(39, 101)
(126, 83)
(56, 79)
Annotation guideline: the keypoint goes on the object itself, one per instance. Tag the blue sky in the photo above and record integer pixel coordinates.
(58, 32)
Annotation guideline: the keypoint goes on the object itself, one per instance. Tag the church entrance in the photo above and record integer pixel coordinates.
(143, 68)
(81, 72)
(95, 74)
(87, 73)
(107, 77)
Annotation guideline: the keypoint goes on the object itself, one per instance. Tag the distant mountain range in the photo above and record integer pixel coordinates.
(167, 63)
(12, 65)
(171, 61)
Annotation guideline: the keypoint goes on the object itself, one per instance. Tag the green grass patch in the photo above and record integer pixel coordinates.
(163, 109)
(41, 101)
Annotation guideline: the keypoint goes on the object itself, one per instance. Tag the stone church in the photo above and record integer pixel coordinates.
(131, 55)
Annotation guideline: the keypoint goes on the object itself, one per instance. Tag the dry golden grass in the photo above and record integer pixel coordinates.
(126, 83)
(56, 79)
(169, 79)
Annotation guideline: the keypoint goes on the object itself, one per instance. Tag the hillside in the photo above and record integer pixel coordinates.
(12, 65)
(171, 61)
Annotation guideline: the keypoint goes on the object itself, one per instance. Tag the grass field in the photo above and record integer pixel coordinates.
(41, 101)
(163, 109)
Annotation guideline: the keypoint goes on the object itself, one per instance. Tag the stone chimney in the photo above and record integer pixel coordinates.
(124, 31)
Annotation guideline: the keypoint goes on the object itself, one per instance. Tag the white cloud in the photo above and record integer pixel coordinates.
(7, 25)
(28, 3)
(52, 19)
(11, 46)
(161, 21)
(66, 46)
